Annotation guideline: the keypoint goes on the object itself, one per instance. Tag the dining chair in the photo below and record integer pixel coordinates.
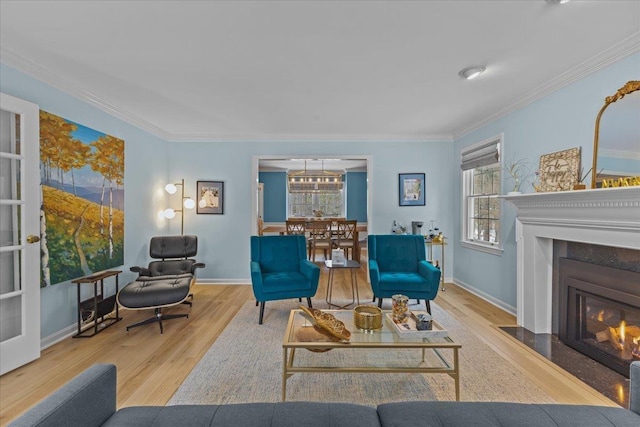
(260, 226)
(296, 226)
(346, 237)
(320, 238)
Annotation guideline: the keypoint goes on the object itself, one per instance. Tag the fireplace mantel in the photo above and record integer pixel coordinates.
(608, 217)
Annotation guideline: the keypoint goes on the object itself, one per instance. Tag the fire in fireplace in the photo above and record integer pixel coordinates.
(600, 312)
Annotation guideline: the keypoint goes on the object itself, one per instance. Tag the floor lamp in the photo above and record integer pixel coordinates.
(186, 203)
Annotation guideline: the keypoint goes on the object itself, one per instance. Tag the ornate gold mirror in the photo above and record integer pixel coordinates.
(616, 144)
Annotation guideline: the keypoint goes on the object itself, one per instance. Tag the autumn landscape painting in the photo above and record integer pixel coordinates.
(82, 189)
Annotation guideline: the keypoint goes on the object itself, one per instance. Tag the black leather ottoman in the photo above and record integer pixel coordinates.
(156, 292)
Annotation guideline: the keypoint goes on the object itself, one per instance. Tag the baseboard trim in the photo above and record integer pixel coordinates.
(58, 336)
(223, 282)
(491, 300)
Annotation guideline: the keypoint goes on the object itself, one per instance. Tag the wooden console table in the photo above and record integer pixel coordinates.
(100, 305)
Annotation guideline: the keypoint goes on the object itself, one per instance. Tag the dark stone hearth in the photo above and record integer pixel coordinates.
(607, 381)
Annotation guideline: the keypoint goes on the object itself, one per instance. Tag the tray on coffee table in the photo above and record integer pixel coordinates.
(408, 327)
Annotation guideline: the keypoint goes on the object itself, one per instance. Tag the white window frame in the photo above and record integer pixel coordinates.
(466, 208)
(315, 204)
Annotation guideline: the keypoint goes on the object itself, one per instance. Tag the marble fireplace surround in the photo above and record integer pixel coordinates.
(608, 217)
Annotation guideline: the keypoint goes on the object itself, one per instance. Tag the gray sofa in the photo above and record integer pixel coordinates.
(90, 400)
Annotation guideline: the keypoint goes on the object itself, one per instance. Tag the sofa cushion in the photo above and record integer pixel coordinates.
(487, 414)
(282, 414)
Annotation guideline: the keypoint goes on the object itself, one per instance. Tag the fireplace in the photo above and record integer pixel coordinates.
(600, 312)
(607, 217)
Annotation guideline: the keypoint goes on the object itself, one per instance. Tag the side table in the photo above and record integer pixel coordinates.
(98, 305)
(353, 267)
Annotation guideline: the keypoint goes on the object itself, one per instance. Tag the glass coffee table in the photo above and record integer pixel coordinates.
(430, 351)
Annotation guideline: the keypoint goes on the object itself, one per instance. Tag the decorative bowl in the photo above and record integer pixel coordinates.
(367, 317)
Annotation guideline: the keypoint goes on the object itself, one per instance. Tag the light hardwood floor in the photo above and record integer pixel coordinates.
(151, 366)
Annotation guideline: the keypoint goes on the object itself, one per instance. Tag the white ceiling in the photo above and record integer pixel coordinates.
(313, 70)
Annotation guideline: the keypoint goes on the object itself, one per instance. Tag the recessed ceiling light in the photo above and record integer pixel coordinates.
(558, 1)
(471, 72)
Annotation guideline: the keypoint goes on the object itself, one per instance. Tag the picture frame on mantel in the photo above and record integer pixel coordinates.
(210, 197)
(411, 189)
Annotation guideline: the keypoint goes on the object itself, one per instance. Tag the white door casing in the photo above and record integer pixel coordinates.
(19, 232)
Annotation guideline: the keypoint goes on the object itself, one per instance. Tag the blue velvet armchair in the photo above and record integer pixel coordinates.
(397, 265)
(280, 269)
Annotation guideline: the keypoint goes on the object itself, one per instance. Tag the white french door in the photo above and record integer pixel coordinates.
(19, 232)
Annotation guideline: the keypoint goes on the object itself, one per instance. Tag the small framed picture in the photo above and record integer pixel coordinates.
(210, 197)
(411, 189)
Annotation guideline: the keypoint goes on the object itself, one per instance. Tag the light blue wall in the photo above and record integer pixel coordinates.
(561, 120)
(224, 239)
(145, 175)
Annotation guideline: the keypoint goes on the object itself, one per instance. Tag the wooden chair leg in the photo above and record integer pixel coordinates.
(309, 302)
(379, 302)
(428, 304)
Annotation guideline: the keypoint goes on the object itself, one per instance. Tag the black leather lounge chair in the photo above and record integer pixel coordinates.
(163, 283)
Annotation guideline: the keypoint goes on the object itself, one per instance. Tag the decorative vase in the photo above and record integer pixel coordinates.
(400, 307)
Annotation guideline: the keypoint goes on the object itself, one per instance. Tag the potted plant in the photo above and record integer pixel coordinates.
(518, 170)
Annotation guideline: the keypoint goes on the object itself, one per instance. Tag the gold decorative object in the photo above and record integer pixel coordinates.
(313, 334)
(439, 238)
(559, 170)
(607, 180)
(326, 323)
(367, 317)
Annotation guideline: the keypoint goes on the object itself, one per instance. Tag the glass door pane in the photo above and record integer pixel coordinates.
(11, 250)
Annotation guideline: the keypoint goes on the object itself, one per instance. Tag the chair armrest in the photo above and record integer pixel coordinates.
(256, 274)
(87, 400)
(429, 272)
(374, 272)
(142, 271)
(196, 266)
(309, 270)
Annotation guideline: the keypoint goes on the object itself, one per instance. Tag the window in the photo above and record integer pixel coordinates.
(481, 178)
(303, 204)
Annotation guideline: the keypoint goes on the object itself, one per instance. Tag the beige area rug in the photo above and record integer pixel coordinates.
(245, 365)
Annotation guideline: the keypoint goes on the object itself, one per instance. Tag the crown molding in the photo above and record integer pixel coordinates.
(619, 51)
(30, 68)
(383, 138)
